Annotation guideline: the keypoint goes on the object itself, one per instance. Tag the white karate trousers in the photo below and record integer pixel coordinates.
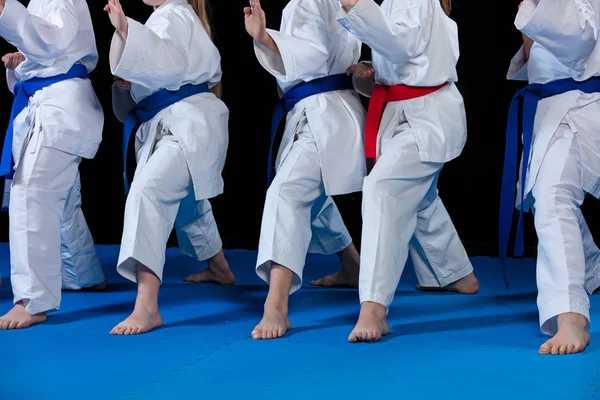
(568, 259)
(80, 265)
(162, 196)
(298, 216)
(402, 215)
(48, 232)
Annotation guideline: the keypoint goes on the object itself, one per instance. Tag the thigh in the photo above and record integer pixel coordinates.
(299, 176)
(165, 176)
(45, 172)
(399, 171)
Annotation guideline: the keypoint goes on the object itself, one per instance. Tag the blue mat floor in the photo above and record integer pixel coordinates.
(442, 346)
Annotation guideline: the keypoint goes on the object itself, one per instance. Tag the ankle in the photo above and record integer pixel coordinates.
(280, 305)
(146, 302)
(571, 318)
(377, 309)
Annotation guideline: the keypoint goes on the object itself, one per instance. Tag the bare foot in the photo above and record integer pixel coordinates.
(343, 278)
(466, 285)
(348, 276)
(145, 316)
(572, 336)
(372, 323)
(140, 321)
(19, 318)
(274, 324)
(96, 288)
(217, 272)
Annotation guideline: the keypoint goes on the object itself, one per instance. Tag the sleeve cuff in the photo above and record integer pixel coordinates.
(363, 7)
(525, 13)
(124, 53)
(281, 67)
(518, 67)
(11, 80)
(122, 103)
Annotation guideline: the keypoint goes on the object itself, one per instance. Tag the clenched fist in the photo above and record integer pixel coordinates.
(12, 60)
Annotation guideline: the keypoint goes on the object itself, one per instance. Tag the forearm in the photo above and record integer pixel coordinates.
(270, 44)
(527, 43)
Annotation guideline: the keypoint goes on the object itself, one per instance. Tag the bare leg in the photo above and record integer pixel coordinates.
(348, 275)
(145, 316)
(19, 318)
(275, 322)
(217, 272)
(372, 323)
(572, 336)
(466, 285)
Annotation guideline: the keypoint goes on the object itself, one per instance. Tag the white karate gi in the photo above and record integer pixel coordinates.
(414, 43)
(62, 124)
(564, 160)
(321, 152)
(181, 151)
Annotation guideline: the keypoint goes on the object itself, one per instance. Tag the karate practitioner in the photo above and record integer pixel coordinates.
(415, 50)
(168, 70)
(560, 58)
(321, 151)
(56, 121)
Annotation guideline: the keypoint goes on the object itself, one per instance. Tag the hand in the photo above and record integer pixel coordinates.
(122, 84)
(347, 5)
(12, 60)
(117, 16)
(363, 71)
(2, 5)
(256, 23)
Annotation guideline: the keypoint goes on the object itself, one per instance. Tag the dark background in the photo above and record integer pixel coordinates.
(469, 185)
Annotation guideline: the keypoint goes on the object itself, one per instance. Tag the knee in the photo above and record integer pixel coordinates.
(143, 188)
(373, 185)
(282, 189)
(556, 199)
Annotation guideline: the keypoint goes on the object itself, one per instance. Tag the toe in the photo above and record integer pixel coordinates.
(13, 325)
(570, 349)
(352, 337)
(555, 349)
(544, 349)
(562, 349)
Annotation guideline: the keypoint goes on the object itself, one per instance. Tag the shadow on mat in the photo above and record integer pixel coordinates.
(250, 297)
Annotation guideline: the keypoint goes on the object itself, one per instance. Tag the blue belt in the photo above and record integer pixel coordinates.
(22, 92)
(148, 108)
(294, 96)
(526, 100)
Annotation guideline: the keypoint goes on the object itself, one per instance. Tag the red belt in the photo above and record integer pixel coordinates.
(382, 95)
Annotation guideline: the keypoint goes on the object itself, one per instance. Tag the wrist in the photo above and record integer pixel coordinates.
(264, 39)
(124, 29)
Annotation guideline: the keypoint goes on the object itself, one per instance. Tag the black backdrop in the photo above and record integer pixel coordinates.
(469, 185)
